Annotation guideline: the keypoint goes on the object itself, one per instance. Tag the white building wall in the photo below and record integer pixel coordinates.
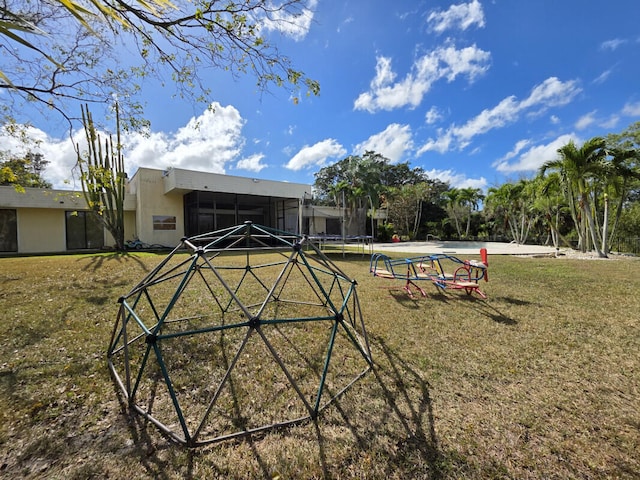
(151, 200)
(41, 220)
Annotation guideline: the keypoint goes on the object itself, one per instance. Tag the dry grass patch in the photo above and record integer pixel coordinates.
(541, 380)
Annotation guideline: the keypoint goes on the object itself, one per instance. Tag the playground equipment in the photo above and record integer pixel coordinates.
(235, 332)
(444, 271)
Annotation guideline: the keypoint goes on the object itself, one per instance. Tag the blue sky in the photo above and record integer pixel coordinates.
(476, 93)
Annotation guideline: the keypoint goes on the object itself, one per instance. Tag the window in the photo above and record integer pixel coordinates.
(8, 231)
(164, 222)
(208, 211)
(83, 230)
(334, 226)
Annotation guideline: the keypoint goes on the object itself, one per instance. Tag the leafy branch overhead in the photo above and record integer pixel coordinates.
(100, 48)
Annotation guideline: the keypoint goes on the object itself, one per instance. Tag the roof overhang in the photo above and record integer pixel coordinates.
(177, 180)
(46, 198)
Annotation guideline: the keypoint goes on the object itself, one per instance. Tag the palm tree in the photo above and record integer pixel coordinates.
(622, 173)
(580, 170)
(469, 198)
(452, 198)
(513, 204)
(550, 202)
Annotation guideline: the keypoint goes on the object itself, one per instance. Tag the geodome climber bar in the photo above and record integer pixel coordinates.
(238, 331)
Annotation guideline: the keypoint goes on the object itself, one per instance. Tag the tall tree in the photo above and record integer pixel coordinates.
(624, 173)
(470, 199)
(103, 177)
(405, 207)
(550, 201)
(454, 208)
(512, 205)
(579, 169)
(95, 49)
(371, 180)
(24, 172)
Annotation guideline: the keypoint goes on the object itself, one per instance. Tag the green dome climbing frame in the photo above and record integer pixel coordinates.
(238, 331)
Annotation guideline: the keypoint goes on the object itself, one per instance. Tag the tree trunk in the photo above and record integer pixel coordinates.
(605, 226)
(592, 229)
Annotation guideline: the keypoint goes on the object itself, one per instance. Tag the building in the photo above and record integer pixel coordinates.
(161, 207)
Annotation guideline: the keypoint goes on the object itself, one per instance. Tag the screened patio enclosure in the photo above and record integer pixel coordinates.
(207, 211)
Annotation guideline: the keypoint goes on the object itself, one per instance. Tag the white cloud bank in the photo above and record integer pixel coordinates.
(316, 155)
(391, 143)
(210, 142)
(295, 26)
(532, 159)
(446, 62)
(457, 180)
(461, 16)
(550, 93)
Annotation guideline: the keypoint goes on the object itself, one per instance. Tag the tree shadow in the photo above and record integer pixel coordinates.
(96, 262)
(514, 301)
(485, 308)
(396, 427)
(389, 416)
(406, 419)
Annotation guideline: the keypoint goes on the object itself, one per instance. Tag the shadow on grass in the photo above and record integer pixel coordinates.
(485, 308)
(478, 306)
(407, 396)
(98, 261)
(387, 415)
(401, 432)
(514, 301)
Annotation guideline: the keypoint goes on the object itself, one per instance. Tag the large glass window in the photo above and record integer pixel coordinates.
(209, 211)
(8, 231)
(84, 231)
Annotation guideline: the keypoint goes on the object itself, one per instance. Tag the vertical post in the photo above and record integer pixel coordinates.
(485, 259)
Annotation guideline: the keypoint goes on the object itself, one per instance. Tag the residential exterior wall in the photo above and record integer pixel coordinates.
(32, 225)
(148, 187)
(41, 221)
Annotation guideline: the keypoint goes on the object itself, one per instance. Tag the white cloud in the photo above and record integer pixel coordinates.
(586, 120)
(612, 44)
(253, 163)
(532, 159)
(344, 23)
(207, 143)
(457, 180)
(631, 109)
(445, 62)
(432, 116)
(462, 16)
(550, 93)
(505, 112)
(295, 26)
(391, 143)
(58, 152)
(316, 155)
(611, 122)
(518, 147)
(441, 144)
(600, 79)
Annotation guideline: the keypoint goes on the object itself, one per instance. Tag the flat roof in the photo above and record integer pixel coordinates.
(180, 180)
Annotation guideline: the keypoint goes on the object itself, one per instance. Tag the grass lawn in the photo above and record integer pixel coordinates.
(541, 380)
